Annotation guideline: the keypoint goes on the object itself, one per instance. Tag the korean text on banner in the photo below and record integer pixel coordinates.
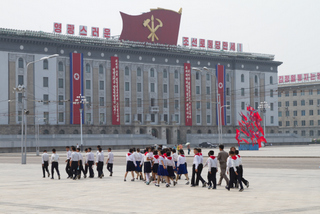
(220, 73)
(115, 90)
(187, 94)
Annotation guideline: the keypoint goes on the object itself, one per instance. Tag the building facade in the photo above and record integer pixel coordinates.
(151, 83)
(299, 108)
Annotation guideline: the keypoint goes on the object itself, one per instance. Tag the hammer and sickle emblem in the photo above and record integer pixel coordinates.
(152, 29)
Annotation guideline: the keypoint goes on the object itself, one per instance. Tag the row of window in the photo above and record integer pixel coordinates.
(302, 103)
(295, 113)
(303, 132)
(303, 123)
(295, 93)
(256, 79)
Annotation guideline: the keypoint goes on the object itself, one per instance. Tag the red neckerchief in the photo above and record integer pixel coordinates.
(182, 155)
(197, 154)
(200, 154)
(165, 155)
(234, 157)
(212, 157)
(145, 154)
(129, 154)
(169, 158)
(156, 156)
(239, 156)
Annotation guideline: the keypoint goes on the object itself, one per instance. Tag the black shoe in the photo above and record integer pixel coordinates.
(84, 176)
(132, 179)
(52, 178)
(204, 185)
(74, 179)
(48, 175)
(193, 186)
(111, 174)
(44, 177)
(241, 190)
(214, 187)
(247, 184)
(125, 180)
(59, 177)
(227, 188)
(218, 184)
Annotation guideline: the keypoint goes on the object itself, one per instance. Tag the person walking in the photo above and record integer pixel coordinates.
(222, 158)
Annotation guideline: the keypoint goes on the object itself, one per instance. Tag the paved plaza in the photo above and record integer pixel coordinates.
(282, 179)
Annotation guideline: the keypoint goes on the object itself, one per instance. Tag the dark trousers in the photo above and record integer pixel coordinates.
(45, 168)
(241, 175)
(100, 168)
(68, 169)
(81, 169)
(232, 177)
(86, 167)
(91, 173)
(110, 167)
(193, 175)
(74, 169)
(212, 177)
(199, 177)
(55, 165)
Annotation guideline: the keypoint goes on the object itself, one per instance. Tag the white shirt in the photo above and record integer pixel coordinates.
(211, 163)
(196, 161)
(130, 157)
(89, 157)
(201, 159)
(54, 157)
(161, 158)
(45, 157)
(175, 157)
(181, 160)
(68, 155)
(100, 157)
(156, 160)
(80, 156)
(138, 156)
(230, 164)
(74, 156)
(148, 155)
(169, 162)
(239, 160)
(110, 157)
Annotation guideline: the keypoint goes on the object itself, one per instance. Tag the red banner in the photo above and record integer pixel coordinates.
(152, 27)
(220, 74)
(187, 94)
(115, 90)
(76, 86)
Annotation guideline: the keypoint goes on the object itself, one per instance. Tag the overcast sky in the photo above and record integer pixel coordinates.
(289, 29)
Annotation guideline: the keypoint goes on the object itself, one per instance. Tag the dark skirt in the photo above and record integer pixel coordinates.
(162, 171)
(138, 168)
(130, 166)
(147, 167)
(182, 169)
(155, 168)
(175, 163)
(170, 171)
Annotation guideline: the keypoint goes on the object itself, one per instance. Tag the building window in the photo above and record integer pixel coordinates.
(279, 113)
(88, 98)
(20, 63)
(242, 78)
(311, 133)
(60, 100)
(318, 91)
(152, 88)
(101, 85)
(295, 132)
(310, 112)
(45, 64)
(100, 69)
(279, 93)
(176, 117)
(302, 92)
(242, 91)
(127, 86)
(101, 101)
(208, 118)
(294, 93)
(176, 89)
(127, 118)
(228, 119)
(88, 69)
(126, 71)
(151, 72)
(303, 102)
(242, 105)
(208, 105)
(295, 103)
(20, 80)
(208, 77)
(176, 74)
(287, 123)
(46, 117)
(318, 122)
(303, 123)
(255, 79)
(139, 72)
(256, 105)
(271, 106)
(318, 111)
(19, 116)
(176, 104)
(165, 88)
(140, 117)
(139, 87)
(60, 83)
(286, 93)
(139, 102)
(165, 103)
(295, 123)
(61, 117)
(310, 92)
(279, 104)
(271, 93)
(256, 92)
(287, 104)
(303, 133)
(198, 118)
(271, 119)
(153, 102)
(60, 66)
(127, 102)
(287, 113)
(198, 105)
(227, 91)
(280, 123)
(310, 102)
(165, 73)
(311, 122)
(45, 99)
(197, 89)
(318, 132)
(153, 118)
(228, 105)
(19, 97)
(197, 75)
(88, 84)
(101, 118)
(318, 101)
(208, 90)
(271, 80)
(303, 113)
(295, 113)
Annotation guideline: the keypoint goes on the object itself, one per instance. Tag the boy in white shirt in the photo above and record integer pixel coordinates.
(212, 170)
(45, 163)
(110, 161)
(54, 163)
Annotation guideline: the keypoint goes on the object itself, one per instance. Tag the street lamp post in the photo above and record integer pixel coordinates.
(37, 133)
(24, 99)
(264, 105)
(80, 100)
(220, 122)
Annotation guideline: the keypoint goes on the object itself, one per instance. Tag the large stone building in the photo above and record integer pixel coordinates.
(299, 108)
(151, 86)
